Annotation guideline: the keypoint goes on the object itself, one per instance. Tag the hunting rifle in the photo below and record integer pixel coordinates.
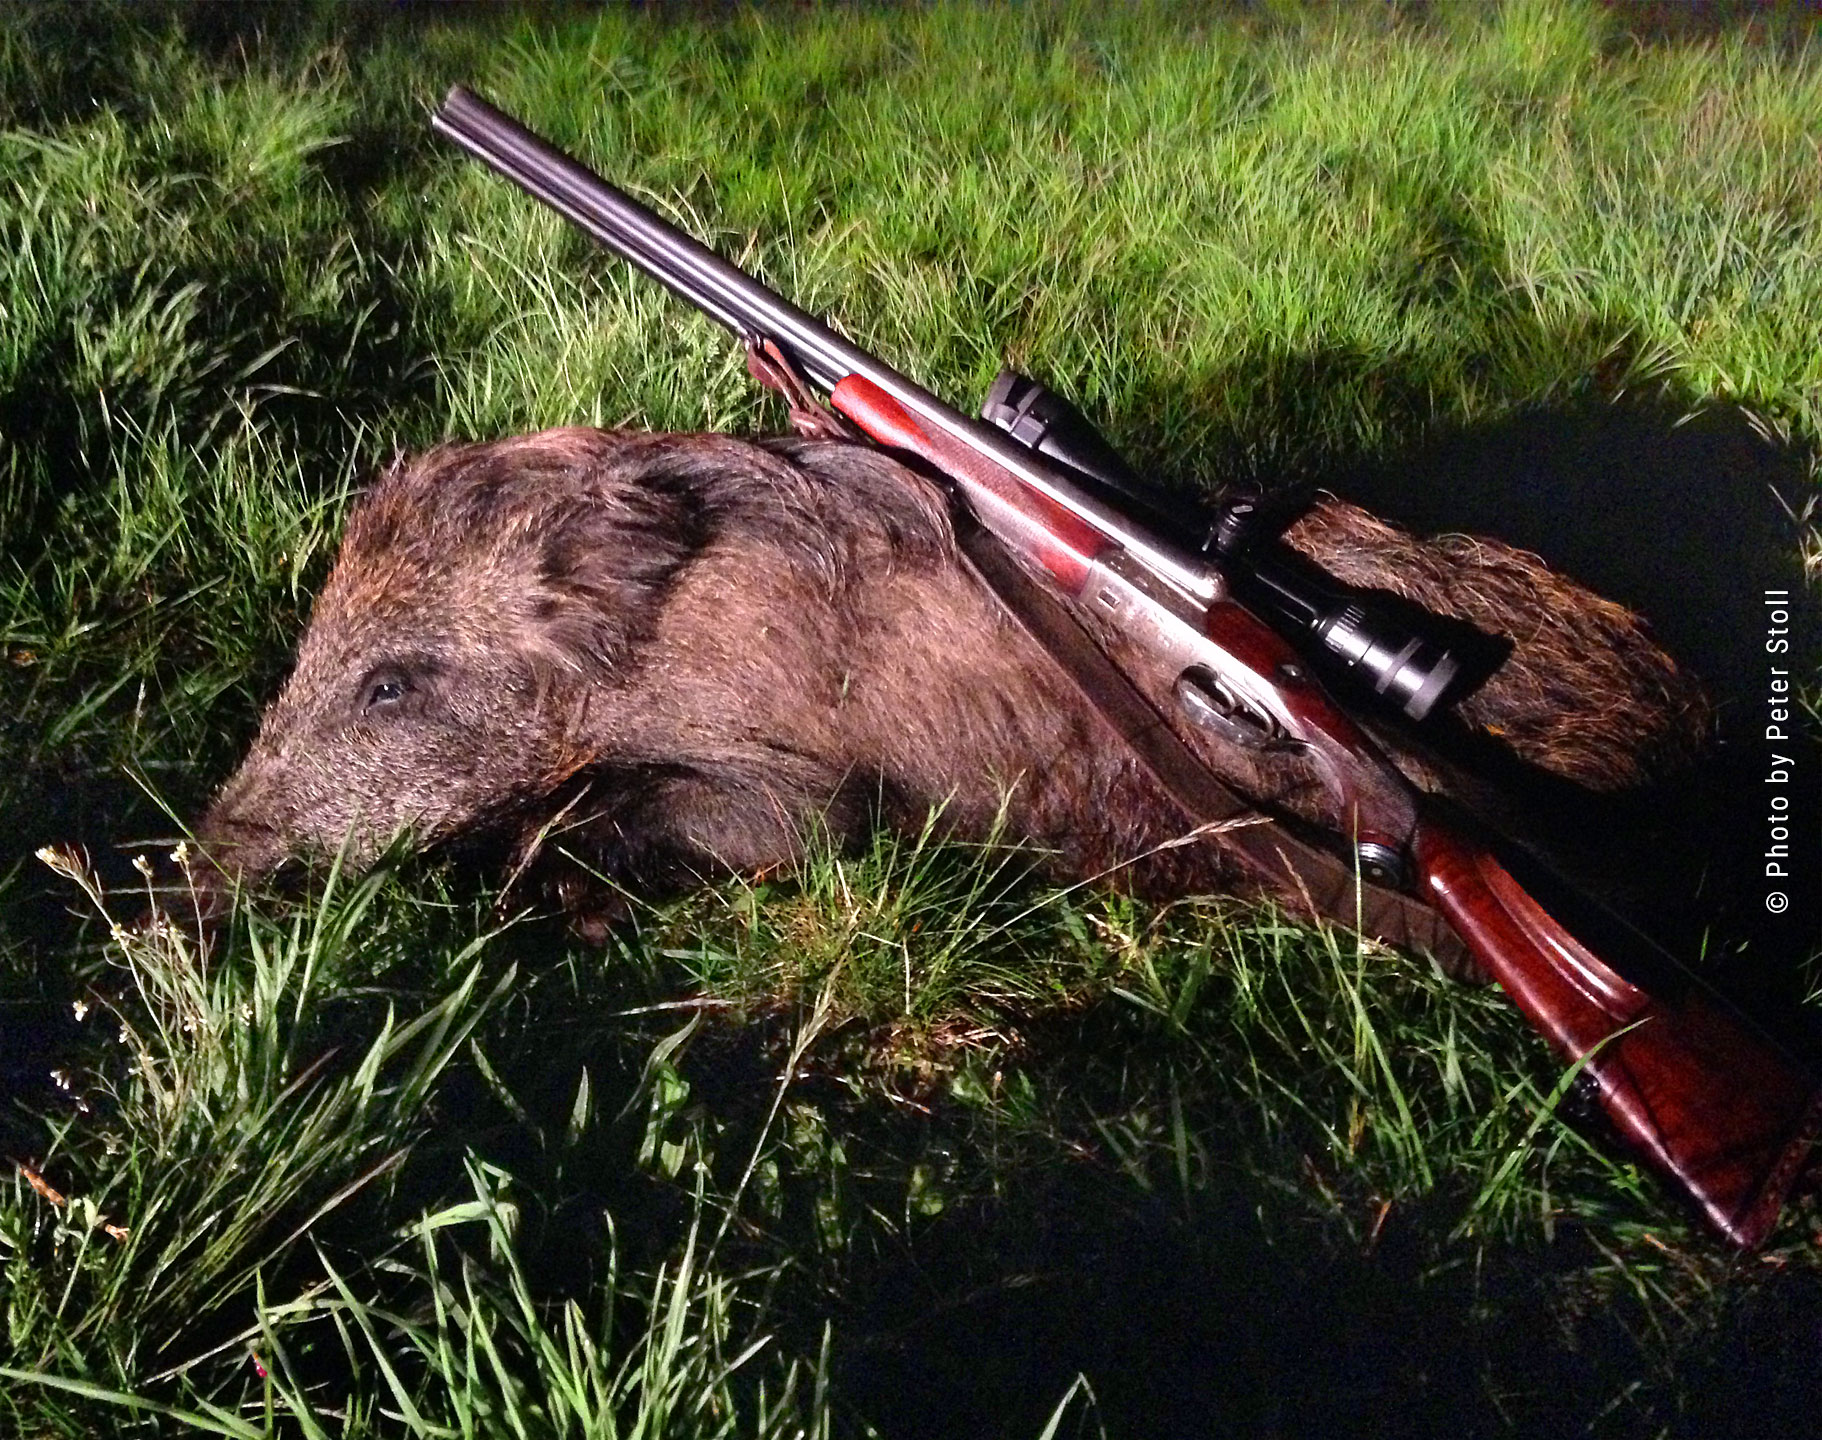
(1688, 1083)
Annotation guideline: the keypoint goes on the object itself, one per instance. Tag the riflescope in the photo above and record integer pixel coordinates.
(1397, 650)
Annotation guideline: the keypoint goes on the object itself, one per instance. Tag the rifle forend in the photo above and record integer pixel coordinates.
(1694, 1089)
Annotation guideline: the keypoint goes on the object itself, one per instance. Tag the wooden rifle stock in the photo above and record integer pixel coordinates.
(1703, 1097)
(1059, 543)
(1697, 1092)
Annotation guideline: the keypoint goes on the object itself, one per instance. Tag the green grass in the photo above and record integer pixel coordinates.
(905, 1143)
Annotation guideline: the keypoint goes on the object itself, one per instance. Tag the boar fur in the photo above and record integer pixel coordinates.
(681, 652)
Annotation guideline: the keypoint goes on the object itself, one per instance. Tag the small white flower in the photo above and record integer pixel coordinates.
(62, 1077)
(81, 1007)
(62, 861)
(143, 866)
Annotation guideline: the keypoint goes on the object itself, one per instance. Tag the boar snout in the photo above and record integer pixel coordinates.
(478, 598)
(239, 853)
(350, 768)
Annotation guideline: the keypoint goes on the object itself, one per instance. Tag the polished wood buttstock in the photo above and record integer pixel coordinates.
(1689, 1083)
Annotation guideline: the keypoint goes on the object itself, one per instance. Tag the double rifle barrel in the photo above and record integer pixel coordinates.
(734, 299)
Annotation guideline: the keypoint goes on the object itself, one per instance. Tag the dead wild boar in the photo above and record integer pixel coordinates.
(682, 651)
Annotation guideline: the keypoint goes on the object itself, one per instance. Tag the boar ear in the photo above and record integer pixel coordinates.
(604, 563)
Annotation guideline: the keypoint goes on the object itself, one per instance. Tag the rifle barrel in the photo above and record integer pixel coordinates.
(734, 299)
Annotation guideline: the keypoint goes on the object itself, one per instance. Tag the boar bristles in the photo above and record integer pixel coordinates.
(695, 649)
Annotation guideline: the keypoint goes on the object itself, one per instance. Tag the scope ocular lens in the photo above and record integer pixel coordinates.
(1414, 674)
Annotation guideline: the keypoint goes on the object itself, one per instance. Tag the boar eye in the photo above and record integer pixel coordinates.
(384, 690)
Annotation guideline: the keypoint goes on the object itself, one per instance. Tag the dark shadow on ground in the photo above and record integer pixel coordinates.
(1690, 522)
(1192, 1321)
(1232, 1305)
(1784, 23)
(93, 810)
